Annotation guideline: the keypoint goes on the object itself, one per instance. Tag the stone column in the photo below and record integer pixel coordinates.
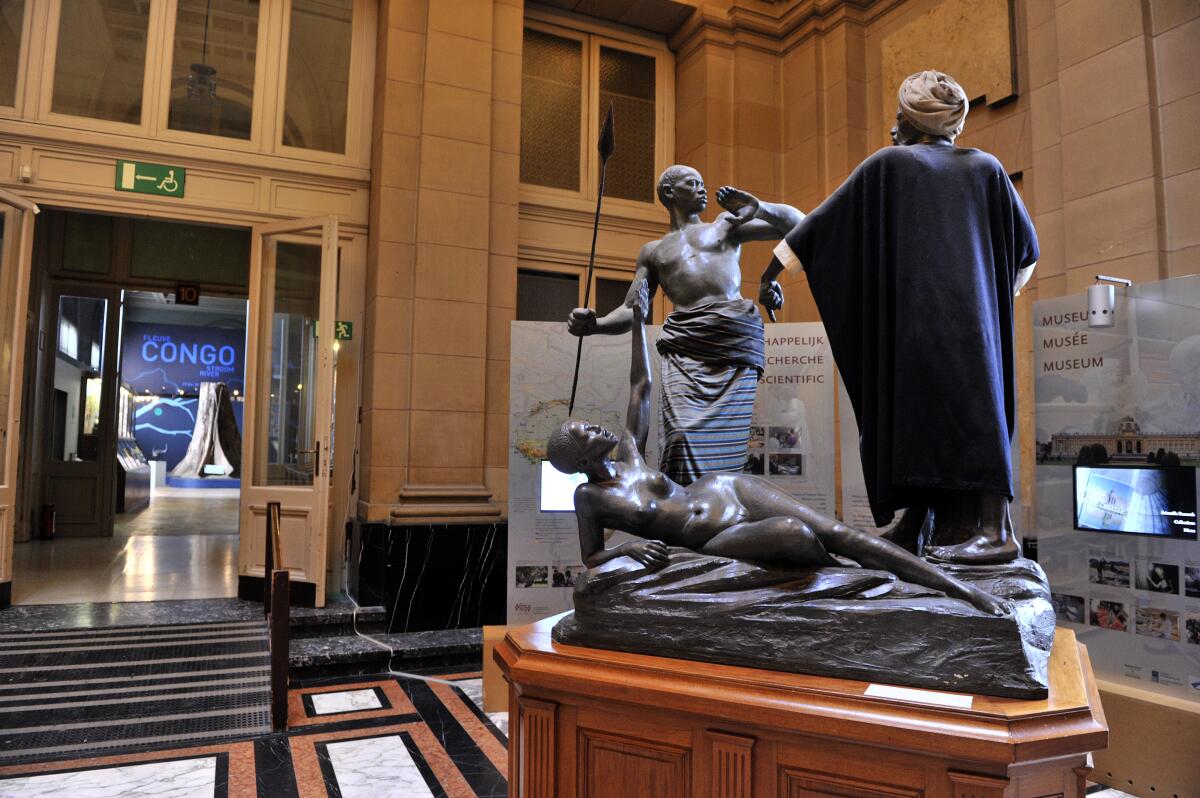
(804, 167)
(728, 116)
(1175, 116)
(825, 130)
(447, 132)
(391, 254)
(507, 27)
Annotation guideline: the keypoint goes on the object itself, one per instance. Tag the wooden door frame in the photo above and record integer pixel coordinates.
(21, 252)
(251, 574)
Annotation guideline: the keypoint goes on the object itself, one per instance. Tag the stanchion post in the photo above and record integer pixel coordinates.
(269, 547)
(278, 622)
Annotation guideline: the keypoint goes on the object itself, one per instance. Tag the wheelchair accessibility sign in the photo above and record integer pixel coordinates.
(150, 178)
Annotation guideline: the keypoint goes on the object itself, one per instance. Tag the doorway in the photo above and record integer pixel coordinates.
(136, 401)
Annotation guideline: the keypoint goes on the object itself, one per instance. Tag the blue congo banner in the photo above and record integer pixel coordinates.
(169, 359)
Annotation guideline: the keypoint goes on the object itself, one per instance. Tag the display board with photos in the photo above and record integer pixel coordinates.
(792, 441)
(1118, 450)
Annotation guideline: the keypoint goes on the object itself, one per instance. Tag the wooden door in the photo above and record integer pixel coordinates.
(289, 397)
(81, 354)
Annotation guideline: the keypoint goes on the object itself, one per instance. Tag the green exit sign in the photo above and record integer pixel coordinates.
(150, 178)
(343, 330)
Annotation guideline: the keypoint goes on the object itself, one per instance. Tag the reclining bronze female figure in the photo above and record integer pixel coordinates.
(738, 516)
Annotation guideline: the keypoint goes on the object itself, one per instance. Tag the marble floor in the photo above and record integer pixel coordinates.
(183, 511)
(183, 546)
(356, 737)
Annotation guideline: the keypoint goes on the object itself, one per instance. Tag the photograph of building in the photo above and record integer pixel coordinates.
(1126, 444)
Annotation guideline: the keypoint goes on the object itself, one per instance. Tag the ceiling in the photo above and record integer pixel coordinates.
(659, 16)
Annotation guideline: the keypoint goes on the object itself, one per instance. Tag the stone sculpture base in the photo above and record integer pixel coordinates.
(849, 623)
(588, 722)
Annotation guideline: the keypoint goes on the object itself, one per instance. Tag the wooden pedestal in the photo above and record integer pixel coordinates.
(587, 723)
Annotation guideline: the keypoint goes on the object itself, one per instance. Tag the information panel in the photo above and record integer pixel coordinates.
(172, 359)
(1118, 443)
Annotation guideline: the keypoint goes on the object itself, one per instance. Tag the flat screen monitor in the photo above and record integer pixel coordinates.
(557, 493)
(1136, 500)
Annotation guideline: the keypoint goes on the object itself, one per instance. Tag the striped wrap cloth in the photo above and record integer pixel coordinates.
(712, 359)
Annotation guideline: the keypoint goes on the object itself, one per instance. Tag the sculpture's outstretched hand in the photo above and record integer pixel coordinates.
(770, 296)
(582, 321)
(650, 553)
(742, 204)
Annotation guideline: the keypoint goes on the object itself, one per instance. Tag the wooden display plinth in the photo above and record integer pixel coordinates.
(603, 724)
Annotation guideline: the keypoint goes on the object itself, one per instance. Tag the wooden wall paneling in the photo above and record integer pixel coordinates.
(732, 764)
(829, 766)
(9, 158)
(649, 746)
(631, 725)
(615, 765)
(1068, 782)
(514, 736)
(303, 199)
(765, 765)
(568, 751)
(76, 171)
(225, 190)
(536, 768)
(794, 783)
(970, 785)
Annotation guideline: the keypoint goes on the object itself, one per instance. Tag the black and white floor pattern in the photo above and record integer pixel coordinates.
(100, 691)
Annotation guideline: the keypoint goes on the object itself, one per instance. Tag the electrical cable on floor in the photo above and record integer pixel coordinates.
(391, 651)
(354, 618)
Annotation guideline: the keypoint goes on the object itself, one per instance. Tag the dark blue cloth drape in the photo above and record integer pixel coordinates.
(912, 262)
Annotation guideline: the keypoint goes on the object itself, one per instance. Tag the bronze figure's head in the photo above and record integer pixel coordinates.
(577, 446)
(682, 187)
(932, 107)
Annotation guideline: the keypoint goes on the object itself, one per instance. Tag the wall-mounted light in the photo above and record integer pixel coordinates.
(1102, 300)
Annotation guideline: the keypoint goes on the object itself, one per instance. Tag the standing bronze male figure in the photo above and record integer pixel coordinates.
(712, 343)
(913, 263)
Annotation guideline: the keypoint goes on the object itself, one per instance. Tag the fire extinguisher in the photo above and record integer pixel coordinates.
(47, 522)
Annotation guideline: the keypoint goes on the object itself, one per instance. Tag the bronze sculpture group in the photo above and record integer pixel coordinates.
(733, 515)
(913, 263)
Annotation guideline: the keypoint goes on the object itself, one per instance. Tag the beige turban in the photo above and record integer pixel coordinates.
(932, 102)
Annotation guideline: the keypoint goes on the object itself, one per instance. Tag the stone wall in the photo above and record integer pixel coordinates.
(1114, 96)
(783, 99)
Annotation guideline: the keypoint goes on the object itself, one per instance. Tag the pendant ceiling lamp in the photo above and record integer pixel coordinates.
(202, 80)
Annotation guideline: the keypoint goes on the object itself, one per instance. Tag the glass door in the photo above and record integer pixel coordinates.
(16, 247)
(289, 395)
